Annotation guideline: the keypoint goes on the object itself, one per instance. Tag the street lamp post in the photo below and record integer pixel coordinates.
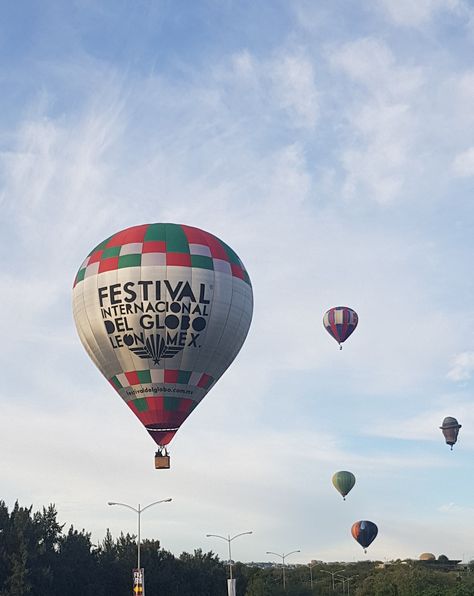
(348, 580)
(311, 565)
(231, 586)
(343, 580)
(332, 574)
(139, 512)
(228, 540)
(283, 557)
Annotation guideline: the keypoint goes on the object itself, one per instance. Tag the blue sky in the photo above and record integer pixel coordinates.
(331, 146)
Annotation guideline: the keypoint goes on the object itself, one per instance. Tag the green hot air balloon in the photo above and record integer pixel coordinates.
(343, 482)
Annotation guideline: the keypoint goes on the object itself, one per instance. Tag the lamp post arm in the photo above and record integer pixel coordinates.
(155, 503)
(123, 505)
(217, 536)
(292, 553)
(269, 552)
(237, 535)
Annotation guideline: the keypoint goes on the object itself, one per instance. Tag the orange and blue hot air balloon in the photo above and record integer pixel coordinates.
(340, 322)
(364, 532)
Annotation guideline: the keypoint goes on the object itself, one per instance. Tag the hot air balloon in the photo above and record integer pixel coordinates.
(340, 322)
(364, 532)
(343, 482)
(162, 310)
(450, 428)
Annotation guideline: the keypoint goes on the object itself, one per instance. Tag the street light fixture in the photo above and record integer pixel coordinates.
(283, 557)
(311, 565)
(332, 574)
(348, 580)
(343, 580)
(139, 512)
(231, 586)
(228, 540)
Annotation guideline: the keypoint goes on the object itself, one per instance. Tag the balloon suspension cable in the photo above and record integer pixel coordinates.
(451, 447)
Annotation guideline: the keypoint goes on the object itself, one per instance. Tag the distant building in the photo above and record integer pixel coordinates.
(442, 563)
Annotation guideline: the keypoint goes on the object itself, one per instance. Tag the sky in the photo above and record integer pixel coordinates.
(331, 145)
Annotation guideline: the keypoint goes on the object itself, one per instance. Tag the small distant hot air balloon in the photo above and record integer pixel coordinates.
(340, 322)
(343, 482)
(450, 428)
(364, 532)
(162, 310)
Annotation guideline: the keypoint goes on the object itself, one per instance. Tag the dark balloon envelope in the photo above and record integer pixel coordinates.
(340, 322)
(364, 532)
(343, 482)
(450, 428)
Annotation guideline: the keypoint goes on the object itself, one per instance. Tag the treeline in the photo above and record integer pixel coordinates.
(38, 557)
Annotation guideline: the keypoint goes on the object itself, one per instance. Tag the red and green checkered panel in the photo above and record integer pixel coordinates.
(162, 415)
(173, 377)
(162, 244)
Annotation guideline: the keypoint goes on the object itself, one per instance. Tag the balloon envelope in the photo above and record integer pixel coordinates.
(450, 429)
(340, 322)
(364, 532)
(343, 482)
(162, 310)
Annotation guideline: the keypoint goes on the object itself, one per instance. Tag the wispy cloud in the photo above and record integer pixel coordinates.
(383, 122)
(418, 14)
(463, 163)
(285, 82)
(462, 367)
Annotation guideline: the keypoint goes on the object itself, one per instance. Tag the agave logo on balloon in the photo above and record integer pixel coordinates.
(162, 310)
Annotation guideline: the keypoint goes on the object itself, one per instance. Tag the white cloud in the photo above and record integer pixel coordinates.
(370, 62)
(382, 120)
(463, 163)
(416, 14)
(462, 367)
(295, 89)
(285, 83)
(424, 426)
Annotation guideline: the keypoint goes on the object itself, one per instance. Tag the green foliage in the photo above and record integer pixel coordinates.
(37, 558)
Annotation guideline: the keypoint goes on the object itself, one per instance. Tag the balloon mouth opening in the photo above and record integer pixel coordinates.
(162, 435)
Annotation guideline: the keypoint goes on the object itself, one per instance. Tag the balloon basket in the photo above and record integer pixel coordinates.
(162, 462)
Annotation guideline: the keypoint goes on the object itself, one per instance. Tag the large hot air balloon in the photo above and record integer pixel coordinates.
(343, 482)
(162, 310)
(450, 428)
(340, 322)
(364, 532)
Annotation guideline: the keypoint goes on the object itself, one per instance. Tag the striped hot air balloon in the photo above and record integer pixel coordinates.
(364, 532)
(162, 310)
(343, 482)
(340, 323)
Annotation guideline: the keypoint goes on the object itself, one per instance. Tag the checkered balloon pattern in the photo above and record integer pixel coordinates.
(162, 310)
